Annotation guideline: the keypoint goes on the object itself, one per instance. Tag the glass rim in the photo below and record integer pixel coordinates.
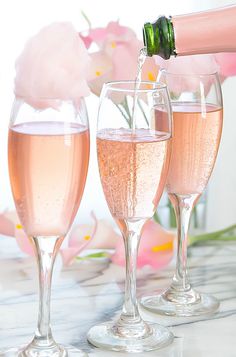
(114, 86)
(214, 73)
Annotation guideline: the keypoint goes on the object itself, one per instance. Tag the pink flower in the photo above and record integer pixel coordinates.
(197, 64)
(227, 63)
(78, 240)
(98, 235)
(223, 63)
(105, 236)
(101, 71)
(117, 56)
(7, 226)
(24, 242)
(53, 64)
(101, 235)
(187, 65)
(150, 70)
(156, 247)
(10, 226)
(112, 32)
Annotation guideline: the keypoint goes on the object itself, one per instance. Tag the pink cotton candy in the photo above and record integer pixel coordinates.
(53, 64)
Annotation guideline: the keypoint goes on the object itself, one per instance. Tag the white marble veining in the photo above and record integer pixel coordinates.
(89, 292)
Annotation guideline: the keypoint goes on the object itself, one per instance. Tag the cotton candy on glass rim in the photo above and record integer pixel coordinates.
(53, 64)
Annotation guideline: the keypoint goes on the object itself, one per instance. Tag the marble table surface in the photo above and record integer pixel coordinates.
(90, 292)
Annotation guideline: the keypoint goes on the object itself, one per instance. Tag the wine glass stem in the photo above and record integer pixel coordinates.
(183, 206)
(130, 323)
(46, 251)
(130, 307)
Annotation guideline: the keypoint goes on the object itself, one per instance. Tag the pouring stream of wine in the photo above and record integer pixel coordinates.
(141, 60)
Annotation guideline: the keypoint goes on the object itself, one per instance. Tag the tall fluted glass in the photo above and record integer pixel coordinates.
(197, 118)
(48, 154)
(133, 146)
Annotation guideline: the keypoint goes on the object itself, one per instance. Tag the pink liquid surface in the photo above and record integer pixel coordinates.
(133, 168)
(194, 147)
(48, 165)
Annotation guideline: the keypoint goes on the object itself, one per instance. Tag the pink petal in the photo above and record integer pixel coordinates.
(7, 225)
(87, 40)
(155, 250)
(100, 71)
(100, 64)
(105, 237)
(117, 58)
(150, 70)
(98, 35)
(116, 29)
(80, 238)
(124, 59)
(119, 33)
(197, 64)
(227, 63)
(113, 31)
(24, 242)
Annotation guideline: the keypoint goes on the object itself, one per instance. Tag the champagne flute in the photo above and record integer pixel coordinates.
(133, 158)
(48, 152)
(197, 119)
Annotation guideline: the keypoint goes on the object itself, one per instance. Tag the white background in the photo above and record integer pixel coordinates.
(21, 19)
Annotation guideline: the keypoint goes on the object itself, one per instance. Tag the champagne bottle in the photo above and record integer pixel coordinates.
(209, 31)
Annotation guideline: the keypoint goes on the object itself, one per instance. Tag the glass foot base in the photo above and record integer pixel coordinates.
(206, 304)
(66, 351)
(103, 336)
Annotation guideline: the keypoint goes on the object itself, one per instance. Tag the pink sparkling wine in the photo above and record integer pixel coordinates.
(48, 165)
(133, 168)
(195, 143)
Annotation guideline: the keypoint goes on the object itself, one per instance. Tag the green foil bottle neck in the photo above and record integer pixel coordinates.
(158, 38)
